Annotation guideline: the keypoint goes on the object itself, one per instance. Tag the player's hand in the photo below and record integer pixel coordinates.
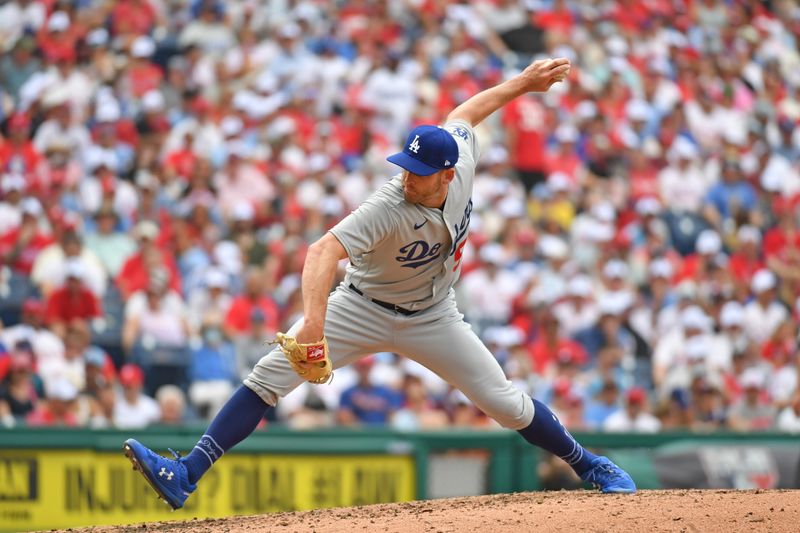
(540, 75)
(308, 334)
(309, 360)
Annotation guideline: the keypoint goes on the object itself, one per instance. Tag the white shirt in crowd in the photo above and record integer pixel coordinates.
(571, 319)
(760, 322)
(49, 270)
(490, 298)
(788, 420)
(165, 324)
(683, 190)
(135, 415)
(10, 217)
(620, 421)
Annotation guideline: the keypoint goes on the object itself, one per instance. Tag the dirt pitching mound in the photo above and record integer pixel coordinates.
(727, 511)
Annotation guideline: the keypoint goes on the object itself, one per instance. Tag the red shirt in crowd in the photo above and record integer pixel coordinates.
(42, 416)
(134, 275)
(777, 240)
(144, 77)
(525, 119)
(24, 260)
(58, 46)
(64, 305)
(238, 321)
(181, 162)
(135, 17)
(543, 355)
(556, 21)
(743, 267)
(19, 158)
(643, 182)
(569, 164)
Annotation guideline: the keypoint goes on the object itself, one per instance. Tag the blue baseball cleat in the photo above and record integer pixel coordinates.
(168, 477)
(608, 477)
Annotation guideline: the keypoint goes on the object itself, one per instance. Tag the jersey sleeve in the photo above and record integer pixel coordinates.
(362, 230)
(468, 148)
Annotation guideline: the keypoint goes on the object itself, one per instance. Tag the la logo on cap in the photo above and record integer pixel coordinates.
(414, 146)
(428, 150)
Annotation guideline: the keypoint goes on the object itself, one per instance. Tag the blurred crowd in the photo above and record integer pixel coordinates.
(634, 252)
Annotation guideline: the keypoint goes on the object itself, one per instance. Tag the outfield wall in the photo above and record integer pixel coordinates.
(65, 478)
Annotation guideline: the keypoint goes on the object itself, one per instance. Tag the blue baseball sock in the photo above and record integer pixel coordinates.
(545, 431)
(236, 420)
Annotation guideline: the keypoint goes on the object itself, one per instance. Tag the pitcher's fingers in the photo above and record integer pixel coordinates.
(559, 61)
(562, 71)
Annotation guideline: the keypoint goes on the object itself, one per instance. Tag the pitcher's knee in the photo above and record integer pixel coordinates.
(512, 411)
(262, 389)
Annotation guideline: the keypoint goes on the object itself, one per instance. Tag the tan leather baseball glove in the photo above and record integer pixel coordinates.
(310, 361)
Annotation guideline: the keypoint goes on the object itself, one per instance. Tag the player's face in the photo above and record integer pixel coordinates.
(429, 191)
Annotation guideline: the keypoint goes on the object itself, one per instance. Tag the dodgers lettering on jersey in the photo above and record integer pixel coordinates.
(405, 253)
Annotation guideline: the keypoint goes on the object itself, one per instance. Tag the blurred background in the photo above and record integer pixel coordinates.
(633, 257)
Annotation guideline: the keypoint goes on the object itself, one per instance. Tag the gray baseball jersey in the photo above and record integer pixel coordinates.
(409, 256)
(405, 253)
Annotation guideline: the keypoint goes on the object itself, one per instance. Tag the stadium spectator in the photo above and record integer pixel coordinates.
(12, 187)
(209, 304)
(18, 66)
(49, 268)
(102, 405)
(18, 155)
(490, 289)
(752, 411)
(238, 320)
(634, 417)
(73, 304)
(132, 408)
(782, 373)
(135, 273)
(171, 402)
(608, 331)
(365, 403)
(577, 310)
(764, 313)
(604, 403)
(709, 412)
(59, 407)
(250, 347)
(731, 199)
(746, 258)
(18, 391)
(418, 412)
(551, 348)
(731, 339)
(155, 317)
(108, 242)
(670, 351)
(45, 344)
(19, 246)
(213, 371)
(789, 418)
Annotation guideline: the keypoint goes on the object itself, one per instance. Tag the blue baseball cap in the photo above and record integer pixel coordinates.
(428, 150)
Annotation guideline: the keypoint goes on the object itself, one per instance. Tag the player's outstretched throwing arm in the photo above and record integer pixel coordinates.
(539, 76)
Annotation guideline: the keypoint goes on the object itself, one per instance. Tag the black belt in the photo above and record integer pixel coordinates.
(385, 305)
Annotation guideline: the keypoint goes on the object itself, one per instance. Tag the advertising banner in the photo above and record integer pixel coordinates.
(69, 488)
(723, 466)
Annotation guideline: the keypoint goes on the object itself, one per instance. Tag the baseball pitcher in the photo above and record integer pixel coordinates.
(404, 245)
